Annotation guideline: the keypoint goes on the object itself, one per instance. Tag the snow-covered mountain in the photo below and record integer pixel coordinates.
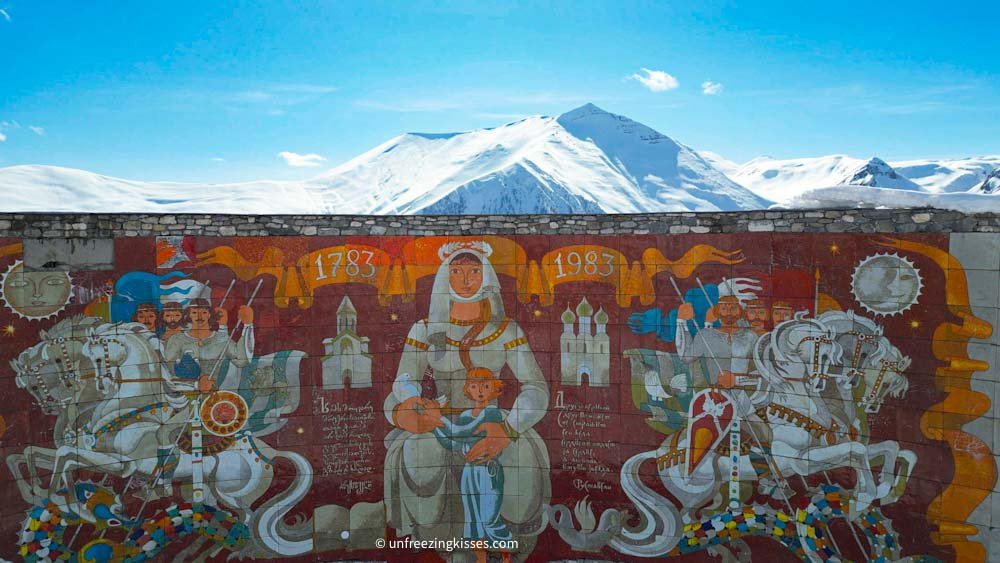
(587, 160)
(990, 185)
(947, 176)
(53, 188)
(720, 162)
(783, 180)
(584, 161)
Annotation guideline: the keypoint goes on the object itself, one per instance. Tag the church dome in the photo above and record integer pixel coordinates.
(584, 309)
(568, 317)
(601, 317)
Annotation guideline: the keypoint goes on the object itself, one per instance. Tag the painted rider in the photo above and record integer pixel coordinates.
(173, 317)
(758, 316)
(195, 361)
(195, 353)
(782, 311)
(729, 351)
(148, 316)
(730, 343)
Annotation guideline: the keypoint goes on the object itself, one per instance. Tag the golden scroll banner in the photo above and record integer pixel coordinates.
(348, 263)
(586, 263)
(397, 276)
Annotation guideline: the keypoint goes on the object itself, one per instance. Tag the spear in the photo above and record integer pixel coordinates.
(226, 295)
(711, 353)
(816, 298)
(236, 328)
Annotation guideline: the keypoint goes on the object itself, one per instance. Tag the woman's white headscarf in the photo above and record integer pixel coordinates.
(443, 294)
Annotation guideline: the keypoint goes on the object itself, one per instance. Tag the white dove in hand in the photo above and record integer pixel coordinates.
(404, 389)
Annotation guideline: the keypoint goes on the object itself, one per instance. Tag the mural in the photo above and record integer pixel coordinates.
(796, 397)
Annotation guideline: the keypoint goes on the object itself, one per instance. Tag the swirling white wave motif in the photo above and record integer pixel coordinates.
(269, 520)
(657, 533)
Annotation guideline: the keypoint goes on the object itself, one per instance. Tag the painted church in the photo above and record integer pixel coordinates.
(585, 353)
(346, 361)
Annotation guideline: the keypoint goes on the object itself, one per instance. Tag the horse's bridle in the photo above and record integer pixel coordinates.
(66, 371)
(817, 377)
(871, 401)
(853, 371)
(105, 359)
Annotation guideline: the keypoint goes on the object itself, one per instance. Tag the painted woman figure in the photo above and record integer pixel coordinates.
(466, 327)
(481, 484)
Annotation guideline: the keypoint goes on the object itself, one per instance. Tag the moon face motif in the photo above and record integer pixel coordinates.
(886, 284)
(35, 295)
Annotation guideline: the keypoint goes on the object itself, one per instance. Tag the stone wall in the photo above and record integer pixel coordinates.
(795, 221)
(306, 387)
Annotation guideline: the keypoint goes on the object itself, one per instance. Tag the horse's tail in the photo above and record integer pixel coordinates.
(269, 520)
(656, 533)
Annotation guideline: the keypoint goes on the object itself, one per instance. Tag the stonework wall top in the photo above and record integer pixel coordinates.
(44, 225)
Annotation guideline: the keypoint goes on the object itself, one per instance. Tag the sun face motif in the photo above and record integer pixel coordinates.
(35, 295)
(886, 284)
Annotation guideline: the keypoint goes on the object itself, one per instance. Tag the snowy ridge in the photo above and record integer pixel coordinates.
(862, 196)
(584, 161)
(32, 188)
(990, 185)
(783, 180)
(948, 176)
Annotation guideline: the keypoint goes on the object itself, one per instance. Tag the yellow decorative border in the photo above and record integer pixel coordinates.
(975, 469)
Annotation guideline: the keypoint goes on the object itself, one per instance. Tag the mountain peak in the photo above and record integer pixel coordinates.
(583, 111)
(877, 173)
(991, 184)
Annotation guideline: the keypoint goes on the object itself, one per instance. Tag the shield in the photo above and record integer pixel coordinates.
(224, 413)
(710, 417)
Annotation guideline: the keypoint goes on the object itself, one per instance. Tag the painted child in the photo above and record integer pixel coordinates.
(481, 484)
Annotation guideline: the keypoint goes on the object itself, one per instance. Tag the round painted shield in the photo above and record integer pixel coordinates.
(224, 413)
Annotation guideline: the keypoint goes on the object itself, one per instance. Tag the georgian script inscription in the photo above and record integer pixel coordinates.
(349, 445)
(578, 422)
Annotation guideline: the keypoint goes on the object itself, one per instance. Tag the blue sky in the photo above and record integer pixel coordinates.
(216, 91)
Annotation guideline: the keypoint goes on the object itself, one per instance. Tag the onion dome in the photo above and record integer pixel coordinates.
(601, 317)
(568, 317)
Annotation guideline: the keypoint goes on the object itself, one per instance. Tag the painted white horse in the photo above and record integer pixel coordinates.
(62, 386)
(794, 360)
(872, 370)
(123, 365)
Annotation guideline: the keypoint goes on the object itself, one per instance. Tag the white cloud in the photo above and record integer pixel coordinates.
(37, 130)
(3, 137)
(311, 160)
(5, 14)
(710, 88)
(218, 159)
(656, 80)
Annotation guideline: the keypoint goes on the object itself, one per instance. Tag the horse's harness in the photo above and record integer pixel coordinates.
(817, 376)
(70, 378)
(853, 371)
(800, 420)
(106, 361)
(66, 374)
(871, 400)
